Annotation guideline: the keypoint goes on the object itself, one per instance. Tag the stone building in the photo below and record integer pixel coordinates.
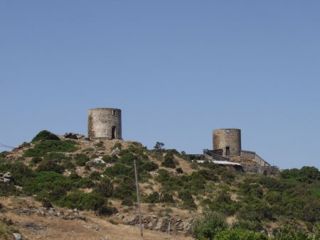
(227, 144)
(104, 123)
(227, 151)
(228, 141)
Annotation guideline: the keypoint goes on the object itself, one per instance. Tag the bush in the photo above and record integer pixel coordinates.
(223, 203)
(127, 202)
(305, 174)
(106, 210)
(125, 189)
(83, 201)
(81, 159)
(287, 233)
(239, 234)
(56, 156)
(45, 135)
(166, 198)
(7, 189)
(169, 161)
(208, 226)
(47, 146)
(48, 185)
(148, 166)
(19, 171)
(249, 225)
(105, 187)
(46, 203)
(95, 176)
(6, 231)
(110, 159)
(36, 160)
(50, 165)
(118, 170)
(187, 199)
(3, 155)
(179, 170)
(153, 198)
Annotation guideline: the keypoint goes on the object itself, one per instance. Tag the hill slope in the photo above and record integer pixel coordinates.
(96, 178)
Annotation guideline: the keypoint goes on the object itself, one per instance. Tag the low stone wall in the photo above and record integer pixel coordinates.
(164, 224)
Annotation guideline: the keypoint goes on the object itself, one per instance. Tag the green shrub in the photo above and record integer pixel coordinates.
(45, 135)
(6, 231)
(223, 203)
(208, 226)
(305, 174)
(44, 147)
(249, 225)
(287, 233)
(49, 185)
(127, 201)
(95, 176)
(81, 159)
(153, 198)
(166, 198)
(83, 201)
(19, 171)
(8, 189)
(256, 210)
(56, 156)
(3, 155)
(104, 187)
(117, 145)
(106, 210)
(148, 166)
(36, 160)
(179, 170)
(125, 189)
(50, 165)
(187, 199)
(239, 234)
(110, 159)
(169, 161)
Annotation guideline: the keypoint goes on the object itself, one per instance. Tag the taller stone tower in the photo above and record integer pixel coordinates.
(104, 123)
(228, 140)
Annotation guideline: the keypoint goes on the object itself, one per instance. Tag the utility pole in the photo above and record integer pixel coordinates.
(138, 197)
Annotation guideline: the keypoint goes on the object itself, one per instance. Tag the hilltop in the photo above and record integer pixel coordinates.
(69, 187)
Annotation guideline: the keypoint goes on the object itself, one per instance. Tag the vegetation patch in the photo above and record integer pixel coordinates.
(48, 146)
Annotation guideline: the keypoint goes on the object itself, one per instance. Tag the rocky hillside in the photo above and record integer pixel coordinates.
(67, 187)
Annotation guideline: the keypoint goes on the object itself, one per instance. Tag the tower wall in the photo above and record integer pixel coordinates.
(104, 123)
(229, 140)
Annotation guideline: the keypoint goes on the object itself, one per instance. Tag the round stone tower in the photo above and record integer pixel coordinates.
(228, 140)
(104, 123)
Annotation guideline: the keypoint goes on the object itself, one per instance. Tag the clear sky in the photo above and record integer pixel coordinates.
(177, 68)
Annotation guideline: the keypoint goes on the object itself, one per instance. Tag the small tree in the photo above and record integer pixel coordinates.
(159, 146)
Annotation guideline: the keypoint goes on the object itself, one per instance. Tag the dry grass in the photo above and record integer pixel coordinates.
(55, 228)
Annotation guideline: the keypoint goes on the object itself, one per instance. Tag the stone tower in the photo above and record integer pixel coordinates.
(104, 123)
(228, 140)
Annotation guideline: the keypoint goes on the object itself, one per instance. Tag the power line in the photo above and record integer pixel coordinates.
(6, 146)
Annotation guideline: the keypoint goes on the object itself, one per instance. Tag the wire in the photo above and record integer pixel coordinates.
(6, 146)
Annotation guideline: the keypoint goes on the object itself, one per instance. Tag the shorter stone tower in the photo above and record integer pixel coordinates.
(228, 141)
(104, 123)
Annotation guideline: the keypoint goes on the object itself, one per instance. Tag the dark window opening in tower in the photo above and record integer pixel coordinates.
(113, 112)
(227, 151)
(113, 132)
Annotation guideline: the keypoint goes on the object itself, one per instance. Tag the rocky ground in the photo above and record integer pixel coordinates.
(32, 221)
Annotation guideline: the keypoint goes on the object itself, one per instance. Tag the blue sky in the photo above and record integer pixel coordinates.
(178, 69)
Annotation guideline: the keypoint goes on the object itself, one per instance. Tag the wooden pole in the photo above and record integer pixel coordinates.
(138, 197)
